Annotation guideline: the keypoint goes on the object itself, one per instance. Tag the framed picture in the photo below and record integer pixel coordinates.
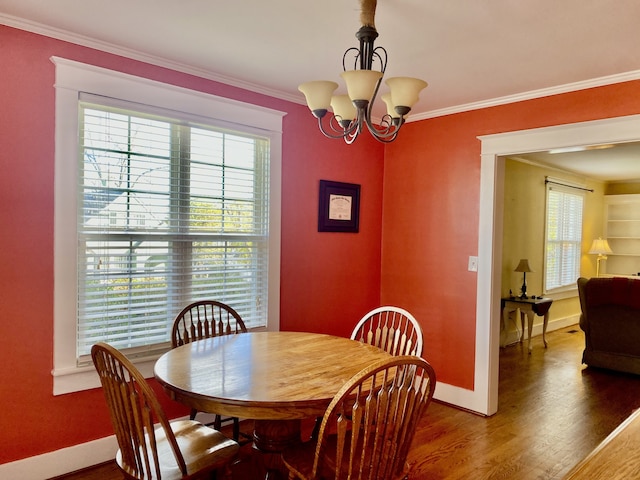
(338, 207)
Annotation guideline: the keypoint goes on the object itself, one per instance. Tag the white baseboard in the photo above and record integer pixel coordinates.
(70, 459)
(77, 457)
(473, 400)
(59, 462)
(513, 336)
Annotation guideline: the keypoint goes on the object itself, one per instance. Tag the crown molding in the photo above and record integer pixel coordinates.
(107, 47)
(533, 94)
(84, 41)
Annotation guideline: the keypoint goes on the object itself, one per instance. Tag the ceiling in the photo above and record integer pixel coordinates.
(614, 163)
(472, 53)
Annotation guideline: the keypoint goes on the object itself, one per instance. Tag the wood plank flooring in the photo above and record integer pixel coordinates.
(552, 412)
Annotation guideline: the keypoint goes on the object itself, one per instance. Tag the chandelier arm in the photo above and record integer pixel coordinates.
(383, 62)
(340, 133)
(354, 126)
(385, 134)
(356, 52)
(379, 52)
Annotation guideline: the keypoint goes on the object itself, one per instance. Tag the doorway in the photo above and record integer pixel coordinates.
(493, 149)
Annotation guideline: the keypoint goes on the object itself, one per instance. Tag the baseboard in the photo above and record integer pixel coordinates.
(70, 459)
(474, 400)
(60, 462)
(77, 457)
(459, 398)
(513, 336)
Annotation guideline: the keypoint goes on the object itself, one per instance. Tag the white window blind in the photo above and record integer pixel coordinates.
(563, 237)
(169, 211)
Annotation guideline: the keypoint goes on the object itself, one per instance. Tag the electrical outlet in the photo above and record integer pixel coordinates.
(473, 264)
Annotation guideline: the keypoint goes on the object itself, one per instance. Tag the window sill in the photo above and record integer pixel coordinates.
(71, 380)
(562, 294)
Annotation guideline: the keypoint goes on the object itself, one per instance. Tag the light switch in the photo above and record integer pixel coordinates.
(473, 264)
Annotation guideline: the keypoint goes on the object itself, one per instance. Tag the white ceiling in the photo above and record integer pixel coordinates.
(616, 163)
(472, 53)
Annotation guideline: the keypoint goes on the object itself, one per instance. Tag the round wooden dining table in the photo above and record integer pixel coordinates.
(273, 378)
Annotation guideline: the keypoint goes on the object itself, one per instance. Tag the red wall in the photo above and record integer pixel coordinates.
(418, 228)
(328, 280)
(430, 213)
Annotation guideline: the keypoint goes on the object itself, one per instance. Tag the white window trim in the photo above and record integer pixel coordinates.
(71, 79)
(566, 291)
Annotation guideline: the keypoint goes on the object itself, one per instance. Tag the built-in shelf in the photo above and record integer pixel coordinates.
(622, 230)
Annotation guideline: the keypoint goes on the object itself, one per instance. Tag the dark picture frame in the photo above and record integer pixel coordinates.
(339, 207)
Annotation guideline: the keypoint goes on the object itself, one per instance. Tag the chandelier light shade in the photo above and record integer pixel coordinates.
(600, 247)
(318, 93)
(405, 91)
(363, 83)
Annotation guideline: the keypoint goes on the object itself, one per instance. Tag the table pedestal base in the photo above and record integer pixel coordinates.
(274, 436)
(270, 438)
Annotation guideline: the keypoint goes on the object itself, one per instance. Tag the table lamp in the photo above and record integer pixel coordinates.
(600, 247)
(525, 268)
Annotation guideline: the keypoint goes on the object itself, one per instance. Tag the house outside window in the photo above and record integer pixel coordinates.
(163, 196)
(563, 241)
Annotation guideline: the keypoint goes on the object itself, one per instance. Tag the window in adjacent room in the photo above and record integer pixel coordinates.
(163, 196)
(563, 237)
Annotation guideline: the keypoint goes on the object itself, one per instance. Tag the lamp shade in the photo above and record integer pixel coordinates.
(523, 266)
(318, 93)
(391, 111)
(405, 90)
(361, 83)
(600, 246)
(343, 107)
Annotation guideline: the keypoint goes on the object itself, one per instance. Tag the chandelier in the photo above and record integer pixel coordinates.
(353, 111)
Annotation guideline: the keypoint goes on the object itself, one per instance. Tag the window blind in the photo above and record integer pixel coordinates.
(564, 237)
(170, 211)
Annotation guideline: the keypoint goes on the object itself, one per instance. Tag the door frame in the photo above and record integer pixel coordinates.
(493, 149)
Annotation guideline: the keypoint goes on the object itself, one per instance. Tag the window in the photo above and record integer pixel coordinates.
(158, 203)
(563, 237)
(169, 212)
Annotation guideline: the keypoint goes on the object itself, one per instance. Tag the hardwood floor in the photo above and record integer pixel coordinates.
(552, 412)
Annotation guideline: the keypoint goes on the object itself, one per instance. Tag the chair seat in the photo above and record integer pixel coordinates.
(204, 450)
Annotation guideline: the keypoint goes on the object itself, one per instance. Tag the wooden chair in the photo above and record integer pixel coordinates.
(392, 329)
(367, 430)
(205, 319)
(182, 449)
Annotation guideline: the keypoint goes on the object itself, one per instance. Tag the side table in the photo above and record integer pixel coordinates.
(530, 306)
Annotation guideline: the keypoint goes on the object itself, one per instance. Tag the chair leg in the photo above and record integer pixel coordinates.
(316, 428)
(192, 415)
(236, 428)
(217, 422)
